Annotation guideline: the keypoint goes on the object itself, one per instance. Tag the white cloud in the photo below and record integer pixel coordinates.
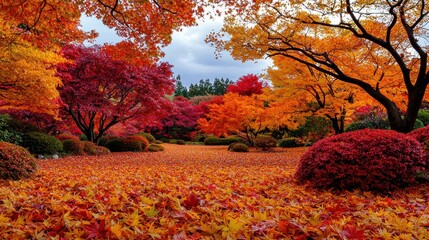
(191, 57)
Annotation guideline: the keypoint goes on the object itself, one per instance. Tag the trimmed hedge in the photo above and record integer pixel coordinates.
(65, 136)
(15, 162)
(378, 160)
(156, 148)
(101, 150)
(220, 141)
(290, 142)
(89, 148)
(148, 136)
(73, 146)
(181, 142)
(421, 134)
(42, 143)
(124, 145)
(238, 147)
(144, 142)
(265, 142)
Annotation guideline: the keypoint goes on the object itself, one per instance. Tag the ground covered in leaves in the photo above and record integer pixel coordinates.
(199, 192)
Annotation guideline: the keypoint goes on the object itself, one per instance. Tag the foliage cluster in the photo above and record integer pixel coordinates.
(155, 147)
(42, 143)
(290, 142)
(135, 143)
(238, 147)
(8, 134)
(211, 140)
(265, 142)
(379, 160)
(73, 146)
(148, 136)
(15, 162)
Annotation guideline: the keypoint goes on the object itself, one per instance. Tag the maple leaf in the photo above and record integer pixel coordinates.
(97, 229)
(350, 232)
(191, 201)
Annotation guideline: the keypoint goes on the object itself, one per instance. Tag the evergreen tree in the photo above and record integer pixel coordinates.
(180, 89)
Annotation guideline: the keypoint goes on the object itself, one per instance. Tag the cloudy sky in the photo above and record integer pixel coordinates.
(191, 57)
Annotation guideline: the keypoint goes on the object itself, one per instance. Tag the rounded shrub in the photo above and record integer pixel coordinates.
(89, 148)
(148, 136)
(220, 141)
(359, 125)
(421, 134)
(99, 150)
(158, 142)
(144, 142)
(265, 142)
(66, 136)
(423, 115)
(290, 142)
(238, 147)
(181, 142)
(155, 147)
(124, 145)
(198, 137)
(42, 143)
(103, 140)
(83, 137)
(15, 162)
(378, 160)
(73, 146)
(418, 124)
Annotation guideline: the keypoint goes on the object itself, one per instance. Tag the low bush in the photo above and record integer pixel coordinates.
(378, 160)
(103, 140)
(418, 124)
(148, 136)
(144, 142)
(73, 146)
(238, 147)
(89, 148)
(423, 115)
(198, 138)
(359, 125)
(66, 136)
(158, 142)
(172, 141)
(155, 147)
(181, 142)
(124, 145)
(42, 143)
(265, 142)
(15, 162)
(99, 150)
(83, 137)
(220, 141)
(164, 140)
(7, 133)
(290, 142)
(421, 134)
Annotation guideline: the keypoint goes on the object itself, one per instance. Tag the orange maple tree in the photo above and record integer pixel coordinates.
(377, 46)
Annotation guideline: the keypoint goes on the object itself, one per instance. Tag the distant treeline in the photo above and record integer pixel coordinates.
(203, 88)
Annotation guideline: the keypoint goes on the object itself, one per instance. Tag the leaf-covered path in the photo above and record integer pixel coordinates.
(194, 192)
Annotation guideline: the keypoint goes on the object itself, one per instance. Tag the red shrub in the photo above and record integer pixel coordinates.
(421, 134)
(101, 150)
(89, 148)
(15, 162)
(379, 160)
(66, 136)
(73, 146)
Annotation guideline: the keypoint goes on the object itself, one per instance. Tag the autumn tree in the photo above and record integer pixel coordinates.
(299, 90)
(247, 85)
(100, 92)
(377, 46)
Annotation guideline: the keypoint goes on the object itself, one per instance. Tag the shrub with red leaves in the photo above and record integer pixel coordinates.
(421, 134)
(15, 162)
(143, 140)
(65, 136)
(73, 147)
(378, 160)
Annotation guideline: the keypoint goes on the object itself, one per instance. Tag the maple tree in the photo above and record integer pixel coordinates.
(198, 192)
(242, 115)
(247, 85)
(377, 46)
(100, 92)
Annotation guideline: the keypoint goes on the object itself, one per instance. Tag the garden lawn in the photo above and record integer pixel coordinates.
(194, 192)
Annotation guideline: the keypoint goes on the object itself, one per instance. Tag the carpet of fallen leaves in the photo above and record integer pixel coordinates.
(199, 192)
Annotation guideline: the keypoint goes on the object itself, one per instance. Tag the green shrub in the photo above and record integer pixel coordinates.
(418, 124)
(148, 136)
(221, 141)
(83, 137)
(158, 142)
(103, 140)
(290, 142)
(172, 141)
(358, 125)
(42, 143)
(144, 142)
(73, 146)
(198, 137)
(181, 142)
(15, 162)
(369, 159)
(423, 115)
(89, 148)
(238, 147)
(8, 134)
(99, 150)
(164, 140)
(155, 148)
(265, 142)
(124, 145)
(314, 128)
